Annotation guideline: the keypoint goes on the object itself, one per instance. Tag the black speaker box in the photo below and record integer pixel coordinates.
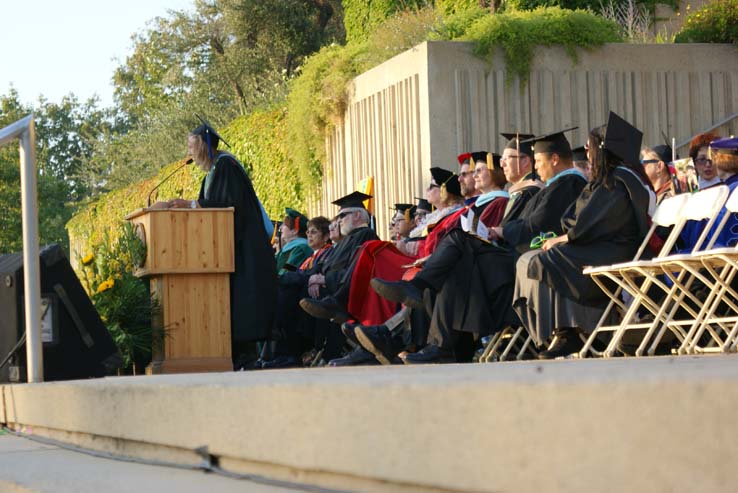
(76, 343)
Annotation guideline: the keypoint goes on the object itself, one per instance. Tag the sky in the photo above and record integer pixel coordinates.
(57, 47)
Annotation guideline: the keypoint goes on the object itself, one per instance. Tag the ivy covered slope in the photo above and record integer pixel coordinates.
(258, 141)
(319, 96)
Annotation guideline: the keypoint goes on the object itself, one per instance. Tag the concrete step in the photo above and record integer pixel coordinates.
(32, 467)
(647, 424)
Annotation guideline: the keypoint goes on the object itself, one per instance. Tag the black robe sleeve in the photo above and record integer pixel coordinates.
(338, 271)
(543, 212)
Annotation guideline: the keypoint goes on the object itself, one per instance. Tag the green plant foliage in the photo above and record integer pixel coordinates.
(593, 5)
(121, 299)
(318, 97)
(450, 7)
(716, 22)
(362, 17)
(519, 32)
(261, 143)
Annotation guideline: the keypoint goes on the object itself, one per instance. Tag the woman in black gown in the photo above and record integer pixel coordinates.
(605, 225)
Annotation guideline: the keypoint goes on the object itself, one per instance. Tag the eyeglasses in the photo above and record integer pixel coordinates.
(433, 185)
(539, 240)
(703, 160)
(464, 174)
(649, 161)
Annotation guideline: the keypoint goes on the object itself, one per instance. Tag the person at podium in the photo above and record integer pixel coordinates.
(254, 280)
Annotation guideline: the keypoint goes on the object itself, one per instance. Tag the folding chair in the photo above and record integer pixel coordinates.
(721, 266)
(509, 340)
(638, 276)
(684, 269)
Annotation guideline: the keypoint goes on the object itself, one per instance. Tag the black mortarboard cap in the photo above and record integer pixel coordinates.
(423, 205)
(407, 210)
(623, 140)
(208, 133)
(479, 157)
(403, 207)
(554, 142)
(524, 147)
(579, 154)
(447, 179)
(663, 151)
(354, 200)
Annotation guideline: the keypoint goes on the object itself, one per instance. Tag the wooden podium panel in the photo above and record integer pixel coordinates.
(189, 258)
(185, 240)
(197, 322)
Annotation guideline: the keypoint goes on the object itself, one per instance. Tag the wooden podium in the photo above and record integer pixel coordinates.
(189, 257)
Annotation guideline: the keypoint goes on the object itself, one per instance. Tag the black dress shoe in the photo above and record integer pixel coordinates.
(348, 329)
(376, 339)
(429, 354)
(358, 356)
(403, 292)
(567, 341)
(326, 308)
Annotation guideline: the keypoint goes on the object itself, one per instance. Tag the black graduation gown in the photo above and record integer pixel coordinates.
(604, 226)
(254, 281)
(338, 267)
(488, 270)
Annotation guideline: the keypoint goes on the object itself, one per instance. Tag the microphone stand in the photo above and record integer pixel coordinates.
(148, 199)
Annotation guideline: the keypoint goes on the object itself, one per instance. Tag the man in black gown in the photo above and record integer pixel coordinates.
(253, 284)
(329, 286)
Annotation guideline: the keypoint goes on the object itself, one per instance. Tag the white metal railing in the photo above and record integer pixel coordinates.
(24, 130)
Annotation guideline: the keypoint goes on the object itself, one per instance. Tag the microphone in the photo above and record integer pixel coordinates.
(148, 199)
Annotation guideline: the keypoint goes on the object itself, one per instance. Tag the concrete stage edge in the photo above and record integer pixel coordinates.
(648, 424)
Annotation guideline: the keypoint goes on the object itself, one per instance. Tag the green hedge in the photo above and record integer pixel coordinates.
(259, 141)
(362, 17)
(518, 33)
(716, 22)
(593, 5)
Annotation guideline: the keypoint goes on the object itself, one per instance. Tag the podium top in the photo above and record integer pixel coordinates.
(145, 210)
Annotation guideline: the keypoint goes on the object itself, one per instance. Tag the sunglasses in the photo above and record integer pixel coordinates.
(539, 240)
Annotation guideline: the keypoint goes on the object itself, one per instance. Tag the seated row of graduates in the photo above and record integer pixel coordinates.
(501, 243)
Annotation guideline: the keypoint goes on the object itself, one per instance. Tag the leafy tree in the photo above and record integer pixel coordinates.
(66, 136)
(226, 59)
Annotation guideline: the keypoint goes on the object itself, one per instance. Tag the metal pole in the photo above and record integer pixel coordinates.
(25, 130)
(31, 270)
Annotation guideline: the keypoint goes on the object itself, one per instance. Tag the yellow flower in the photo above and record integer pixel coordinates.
(87, 259)
(105, 285)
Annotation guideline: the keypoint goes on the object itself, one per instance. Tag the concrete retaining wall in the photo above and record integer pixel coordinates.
(651, 424)
(423, 107)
